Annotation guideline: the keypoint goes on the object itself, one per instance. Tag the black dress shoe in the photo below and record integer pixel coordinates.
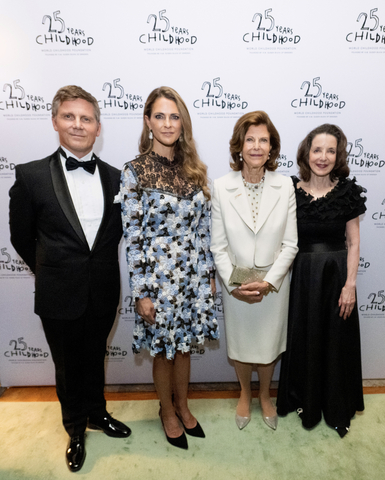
(75, 453)
(196, 431)
(180, 442)
(110, 426)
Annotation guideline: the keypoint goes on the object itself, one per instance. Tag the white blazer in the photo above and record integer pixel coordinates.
(272, 246)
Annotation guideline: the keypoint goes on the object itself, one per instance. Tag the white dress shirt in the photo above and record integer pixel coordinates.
(87, 196)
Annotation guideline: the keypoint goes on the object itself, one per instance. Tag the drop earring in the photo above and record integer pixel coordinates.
(181, 138)
(150, 135)
(240, 156)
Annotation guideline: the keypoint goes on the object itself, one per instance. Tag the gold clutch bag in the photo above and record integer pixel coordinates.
(243, 275)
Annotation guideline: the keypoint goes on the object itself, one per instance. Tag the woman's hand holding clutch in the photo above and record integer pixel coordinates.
(255, 288)
(237, 293)
(252, 292)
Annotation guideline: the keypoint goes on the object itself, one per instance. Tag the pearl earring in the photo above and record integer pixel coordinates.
(150, 135)
(240, 156)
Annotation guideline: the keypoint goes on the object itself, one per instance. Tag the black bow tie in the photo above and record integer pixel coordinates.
(73, 164)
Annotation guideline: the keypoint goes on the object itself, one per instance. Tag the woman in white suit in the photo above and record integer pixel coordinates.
(254, 226)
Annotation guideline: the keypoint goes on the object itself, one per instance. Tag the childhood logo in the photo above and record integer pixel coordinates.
(119, 101)
(19, 350)
(217, 99)
(61, 37)
(163, 33)
(20, 101)
(12, 267)
(370, 31)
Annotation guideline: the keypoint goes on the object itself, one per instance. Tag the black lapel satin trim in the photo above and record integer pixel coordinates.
(64, 197)
(108, 199)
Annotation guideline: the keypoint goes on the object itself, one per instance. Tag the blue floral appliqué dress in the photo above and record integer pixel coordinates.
(166, 227)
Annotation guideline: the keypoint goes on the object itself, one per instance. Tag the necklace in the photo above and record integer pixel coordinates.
(253, 186)
(321, 192)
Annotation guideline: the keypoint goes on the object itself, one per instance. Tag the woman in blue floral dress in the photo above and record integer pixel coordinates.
(165, 215)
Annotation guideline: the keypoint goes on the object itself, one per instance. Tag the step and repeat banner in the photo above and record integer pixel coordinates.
(303, 64)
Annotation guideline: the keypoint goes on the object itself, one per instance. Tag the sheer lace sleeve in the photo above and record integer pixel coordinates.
(132, 200)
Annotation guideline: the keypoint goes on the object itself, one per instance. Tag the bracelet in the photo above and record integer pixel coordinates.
(269, 288)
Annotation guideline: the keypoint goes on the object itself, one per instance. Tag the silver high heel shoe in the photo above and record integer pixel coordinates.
(242, 421)
(271, 422)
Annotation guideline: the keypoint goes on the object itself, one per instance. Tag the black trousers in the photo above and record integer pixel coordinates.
(78, 350)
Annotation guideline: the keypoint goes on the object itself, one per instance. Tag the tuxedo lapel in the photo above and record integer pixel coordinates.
(238, 198)
(63, 195)
(108, 199)
(270, 196)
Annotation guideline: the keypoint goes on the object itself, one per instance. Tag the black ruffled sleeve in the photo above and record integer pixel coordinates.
(345, 200)
(355, 199)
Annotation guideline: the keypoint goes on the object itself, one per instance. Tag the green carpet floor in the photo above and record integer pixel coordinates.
(33, 444)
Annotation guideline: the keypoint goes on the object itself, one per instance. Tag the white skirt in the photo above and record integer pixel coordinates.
(257, 333)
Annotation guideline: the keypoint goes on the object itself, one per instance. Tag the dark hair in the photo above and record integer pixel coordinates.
(73, 92)
(238, 139)
(340, 169)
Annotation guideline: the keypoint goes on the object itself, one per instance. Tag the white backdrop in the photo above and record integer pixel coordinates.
(303, 64)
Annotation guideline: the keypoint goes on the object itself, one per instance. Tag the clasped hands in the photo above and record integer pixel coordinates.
(251, 292)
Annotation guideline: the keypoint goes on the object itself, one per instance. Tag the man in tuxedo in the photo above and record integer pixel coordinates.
(66, 227)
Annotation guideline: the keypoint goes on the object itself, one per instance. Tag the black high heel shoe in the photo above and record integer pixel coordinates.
(342, 431)
(196, 431)
(180, 442)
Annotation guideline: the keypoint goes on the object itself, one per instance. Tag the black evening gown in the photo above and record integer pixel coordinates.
(321, 368)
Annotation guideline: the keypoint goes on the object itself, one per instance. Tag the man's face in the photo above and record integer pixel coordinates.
(77, 126)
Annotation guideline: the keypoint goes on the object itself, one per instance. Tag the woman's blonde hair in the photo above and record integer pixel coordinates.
(194, 169)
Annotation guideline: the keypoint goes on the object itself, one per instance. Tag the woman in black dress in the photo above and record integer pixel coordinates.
(321, 369)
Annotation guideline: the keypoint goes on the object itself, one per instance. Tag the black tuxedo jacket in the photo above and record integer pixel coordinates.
(47, 234)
